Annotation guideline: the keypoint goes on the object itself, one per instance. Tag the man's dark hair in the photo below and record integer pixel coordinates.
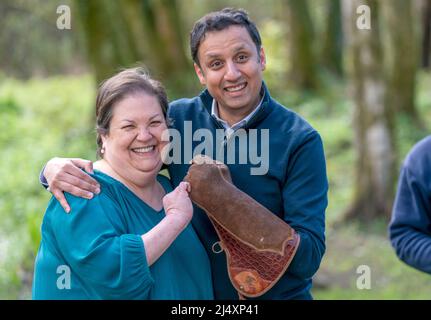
(220, 20)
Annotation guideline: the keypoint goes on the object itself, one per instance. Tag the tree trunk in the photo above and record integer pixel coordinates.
(123, 34)
(403, 55)
(100, 46)
(302, 73)
(373, 123)
(167, 25)
(331, 54)
(426, 34)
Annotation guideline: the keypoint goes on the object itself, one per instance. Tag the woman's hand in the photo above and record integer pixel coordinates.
(179, 212)
(178, 204)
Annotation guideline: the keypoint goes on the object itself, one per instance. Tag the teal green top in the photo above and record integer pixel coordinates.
(96, 251)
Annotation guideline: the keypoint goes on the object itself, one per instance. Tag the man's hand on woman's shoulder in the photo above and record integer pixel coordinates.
(65, 175)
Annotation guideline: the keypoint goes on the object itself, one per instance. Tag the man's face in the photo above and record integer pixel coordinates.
(231, 69)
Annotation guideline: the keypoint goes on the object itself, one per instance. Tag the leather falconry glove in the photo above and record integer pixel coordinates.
(259, 246)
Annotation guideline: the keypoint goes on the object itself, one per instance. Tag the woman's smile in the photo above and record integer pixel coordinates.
(147, 150)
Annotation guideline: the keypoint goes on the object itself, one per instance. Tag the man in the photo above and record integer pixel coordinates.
(410, 226)
(229, 60)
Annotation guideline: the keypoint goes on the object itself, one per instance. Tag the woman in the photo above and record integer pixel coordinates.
(132, 240)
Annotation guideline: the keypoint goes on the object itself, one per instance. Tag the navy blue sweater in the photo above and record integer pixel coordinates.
(410, 226)
(294, 187)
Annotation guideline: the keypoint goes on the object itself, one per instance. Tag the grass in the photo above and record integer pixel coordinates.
(49, 117)
(348, 248)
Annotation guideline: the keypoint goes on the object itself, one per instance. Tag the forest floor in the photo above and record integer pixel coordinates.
(353, 254)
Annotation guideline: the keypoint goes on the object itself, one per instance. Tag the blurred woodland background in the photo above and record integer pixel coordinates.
(367, 91)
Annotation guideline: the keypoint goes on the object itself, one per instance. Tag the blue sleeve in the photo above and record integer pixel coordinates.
(410, 226)
(305, 202)
(42, 179)
(93, 241)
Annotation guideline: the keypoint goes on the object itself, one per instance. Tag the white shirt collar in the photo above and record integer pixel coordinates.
(239, 124)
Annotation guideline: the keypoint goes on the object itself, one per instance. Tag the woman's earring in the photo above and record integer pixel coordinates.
(102, 151)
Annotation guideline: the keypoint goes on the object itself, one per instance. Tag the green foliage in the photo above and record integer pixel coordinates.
(40, 119)
(31, 44)
(273, 35)
(409, 131)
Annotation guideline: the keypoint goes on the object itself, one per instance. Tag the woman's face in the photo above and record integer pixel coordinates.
(133, 145)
